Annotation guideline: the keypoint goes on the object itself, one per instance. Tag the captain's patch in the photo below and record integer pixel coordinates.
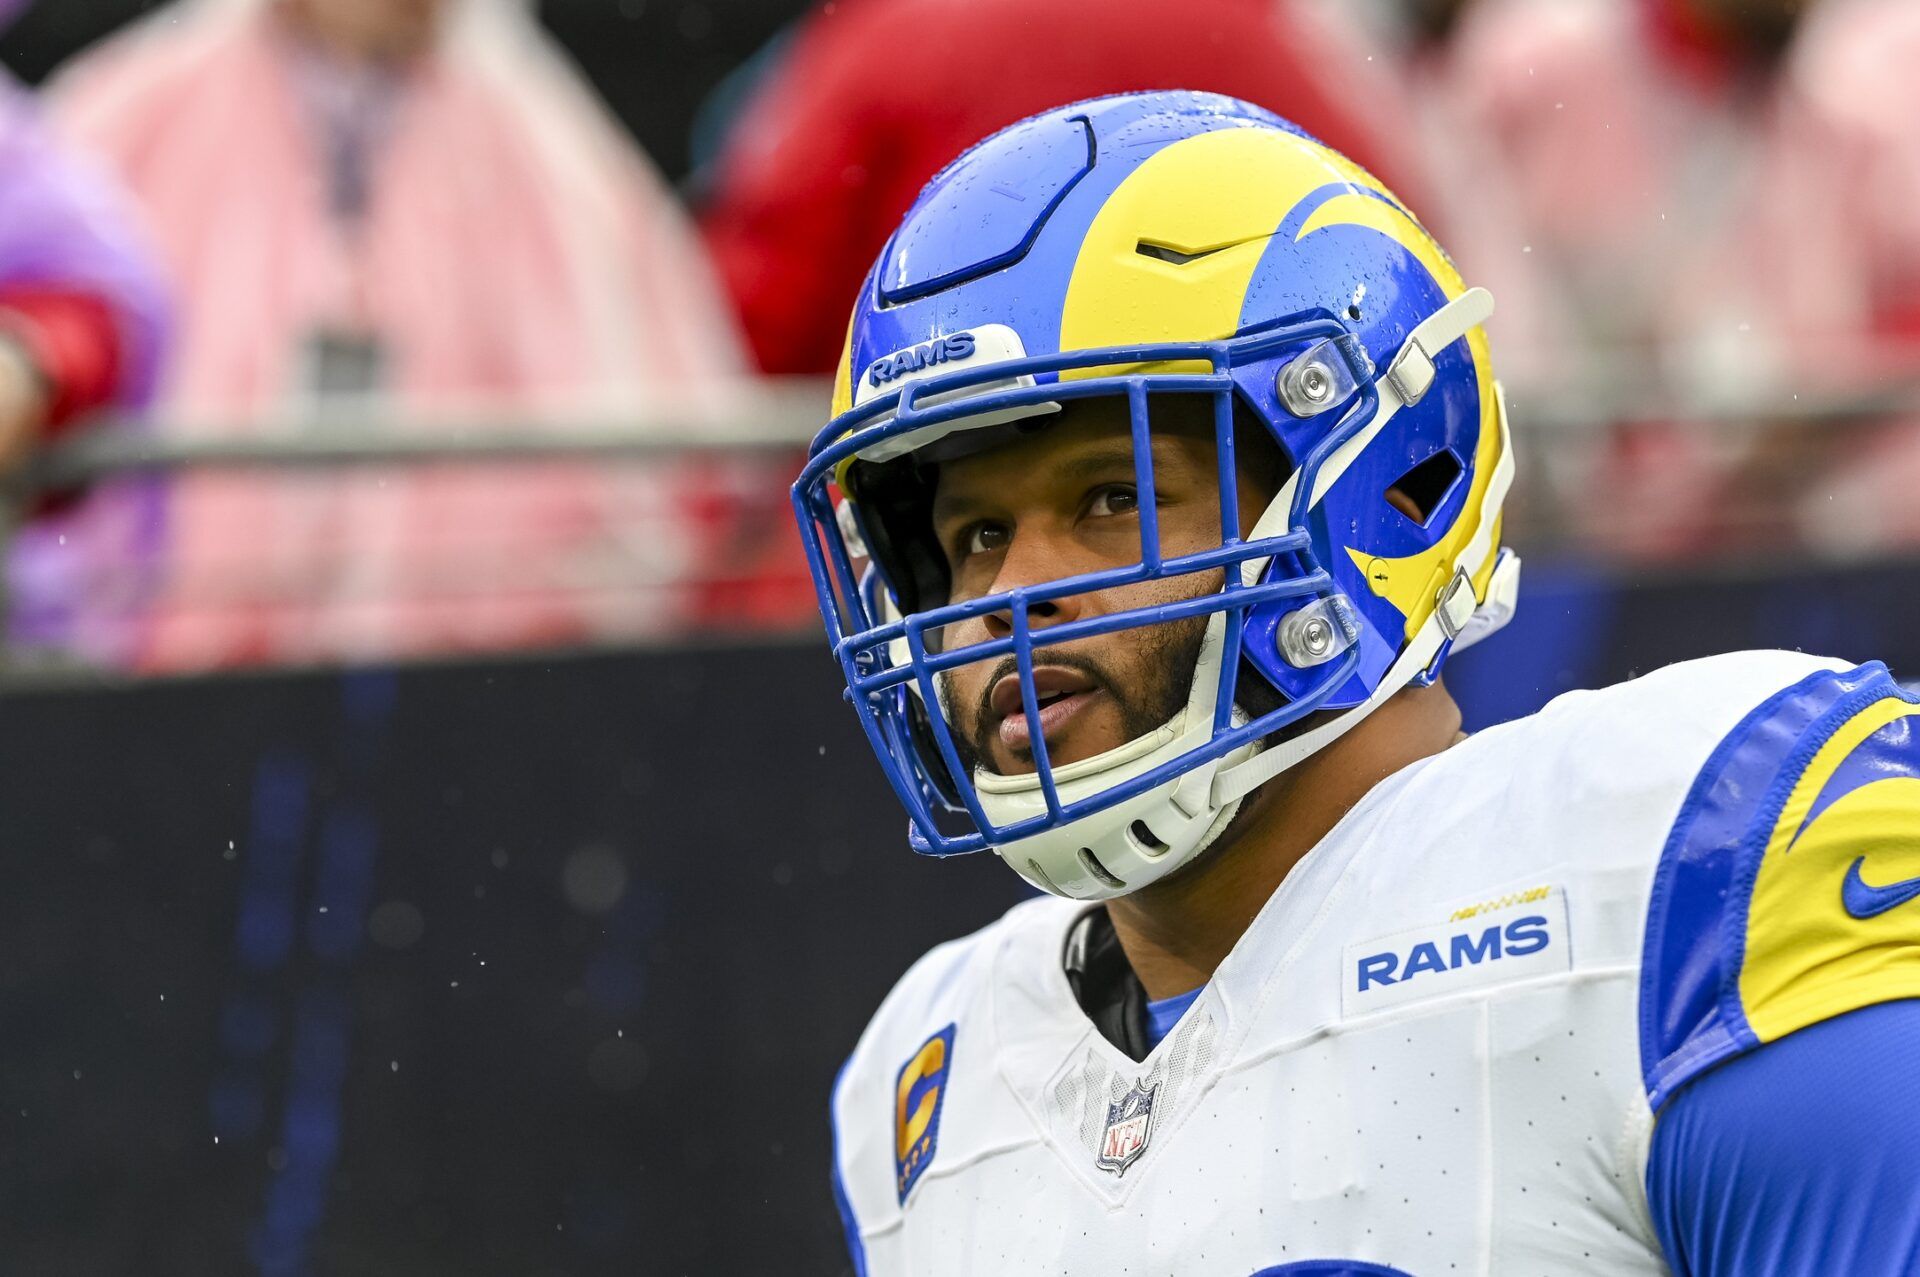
(1512, 936)
(919, 1094)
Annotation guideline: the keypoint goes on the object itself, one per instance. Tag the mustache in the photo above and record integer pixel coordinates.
(1169, 653)
(1010, 665)
(971, 740)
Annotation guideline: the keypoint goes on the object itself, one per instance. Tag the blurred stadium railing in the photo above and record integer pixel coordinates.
(771, 416)
(1613, 475)
(731, 459)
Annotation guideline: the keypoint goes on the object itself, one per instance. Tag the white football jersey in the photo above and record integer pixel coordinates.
(1433, 1050)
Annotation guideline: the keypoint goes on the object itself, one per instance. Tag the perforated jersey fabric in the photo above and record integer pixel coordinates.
(1424, 1055)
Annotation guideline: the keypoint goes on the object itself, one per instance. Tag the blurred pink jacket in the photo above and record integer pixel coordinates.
(1837, 242)
(1713, 230)
(516, 254)
(1624, 148)
(1835, 230)
(1683, 201)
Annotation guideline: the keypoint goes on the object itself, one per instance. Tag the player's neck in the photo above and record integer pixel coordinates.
(1176, 933)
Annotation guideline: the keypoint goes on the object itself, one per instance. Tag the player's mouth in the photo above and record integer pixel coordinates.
(1061, 693)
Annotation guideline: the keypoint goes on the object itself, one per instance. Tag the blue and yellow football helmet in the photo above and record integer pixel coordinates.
(1136, 247)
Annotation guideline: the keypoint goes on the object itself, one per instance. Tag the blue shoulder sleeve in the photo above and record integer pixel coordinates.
(1798, 1159)
(1788, 892)
(1780, 992)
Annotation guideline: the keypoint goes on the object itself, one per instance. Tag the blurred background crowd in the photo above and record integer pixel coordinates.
(241, 239)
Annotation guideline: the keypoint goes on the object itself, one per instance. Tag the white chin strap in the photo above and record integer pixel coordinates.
(1143, 839)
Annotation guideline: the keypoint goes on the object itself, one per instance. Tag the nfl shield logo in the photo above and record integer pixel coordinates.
(1129, 1125)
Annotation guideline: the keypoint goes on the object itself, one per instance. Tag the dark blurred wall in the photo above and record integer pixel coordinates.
(655, 61)
(538, 969)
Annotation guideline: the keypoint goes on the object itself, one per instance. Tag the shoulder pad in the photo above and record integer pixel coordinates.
(1786, 891)
(929, 1038)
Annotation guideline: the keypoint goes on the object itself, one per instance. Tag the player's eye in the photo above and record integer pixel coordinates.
(1113, 499)
(983, 537)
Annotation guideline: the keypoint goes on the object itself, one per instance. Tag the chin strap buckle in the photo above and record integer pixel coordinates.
(1412, 372)
(1503, 594)
(1456, 604)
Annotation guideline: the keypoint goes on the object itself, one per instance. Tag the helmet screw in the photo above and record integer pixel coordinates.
(1315, 385)
(1314, 635)
(1315, 381)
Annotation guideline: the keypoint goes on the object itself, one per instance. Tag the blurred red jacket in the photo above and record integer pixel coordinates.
(875, 96)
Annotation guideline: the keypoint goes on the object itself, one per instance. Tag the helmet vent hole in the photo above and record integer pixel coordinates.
(1144, 838)
(1419, 493)
(1164, 253)
(1100, 871)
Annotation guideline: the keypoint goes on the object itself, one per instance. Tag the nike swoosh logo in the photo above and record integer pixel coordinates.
(1864, 901)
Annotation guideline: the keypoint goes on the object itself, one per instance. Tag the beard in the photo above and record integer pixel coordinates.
(1156, 686)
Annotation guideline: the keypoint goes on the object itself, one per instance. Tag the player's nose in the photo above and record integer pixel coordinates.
(1030, 562)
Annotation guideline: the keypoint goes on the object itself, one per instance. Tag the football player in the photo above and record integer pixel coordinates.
(1165, 476)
